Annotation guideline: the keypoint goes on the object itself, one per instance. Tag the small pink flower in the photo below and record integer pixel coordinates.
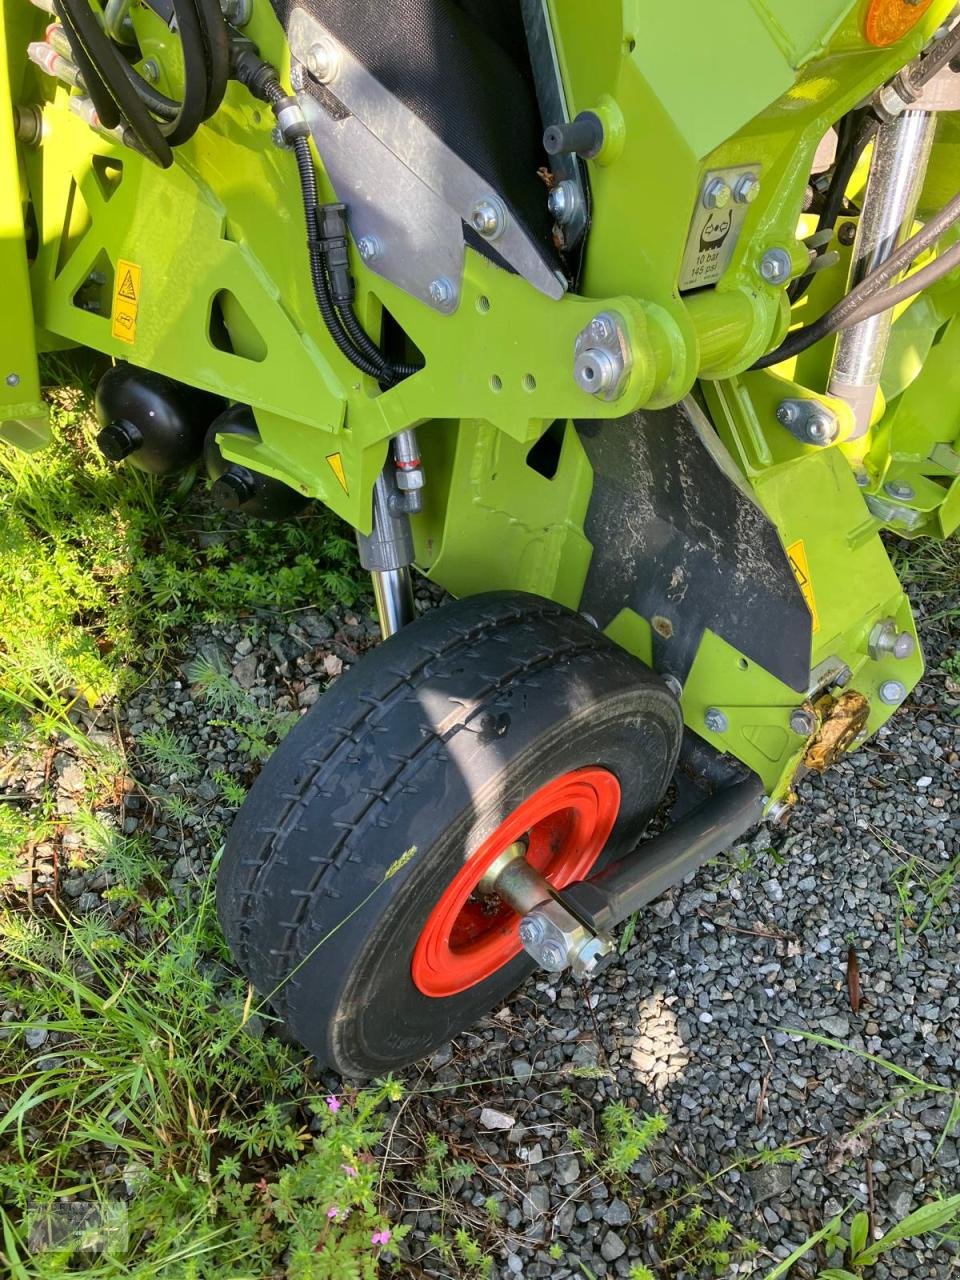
(380, 1237)
(332, 1212)
(333, 1102)
(349, 1170)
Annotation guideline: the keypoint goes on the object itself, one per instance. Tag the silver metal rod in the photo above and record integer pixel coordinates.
(393, 593)
(897, 173)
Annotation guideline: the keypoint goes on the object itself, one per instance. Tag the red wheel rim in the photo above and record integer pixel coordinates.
(467, 939)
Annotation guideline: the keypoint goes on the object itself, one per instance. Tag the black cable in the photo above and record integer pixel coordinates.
(838, 317)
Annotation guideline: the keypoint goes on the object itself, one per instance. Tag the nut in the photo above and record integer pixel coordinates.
(776, 266)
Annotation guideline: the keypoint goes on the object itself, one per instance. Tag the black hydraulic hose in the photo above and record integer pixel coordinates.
(855, 133)
(839, 316)
(216, 42)
(113, 96)
(157, 103)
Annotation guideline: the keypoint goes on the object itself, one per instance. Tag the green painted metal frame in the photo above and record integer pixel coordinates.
(223, 229)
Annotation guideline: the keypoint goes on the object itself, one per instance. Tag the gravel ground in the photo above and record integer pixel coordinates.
(688, 1022)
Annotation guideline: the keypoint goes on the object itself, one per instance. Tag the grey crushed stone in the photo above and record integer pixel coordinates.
(697, 1021)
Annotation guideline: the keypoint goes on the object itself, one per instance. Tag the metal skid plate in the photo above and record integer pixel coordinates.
(408, 193)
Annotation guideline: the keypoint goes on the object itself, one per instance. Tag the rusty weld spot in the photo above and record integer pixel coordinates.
(841, 721)
(662, 626)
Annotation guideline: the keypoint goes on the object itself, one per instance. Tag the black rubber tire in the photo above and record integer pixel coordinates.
(428, 743)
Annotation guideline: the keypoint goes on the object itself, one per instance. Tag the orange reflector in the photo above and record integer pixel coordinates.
(890, 20)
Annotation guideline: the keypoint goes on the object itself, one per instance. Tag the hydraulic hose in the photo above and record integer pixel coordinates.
(121, 95)
(872, 288)
(855, 133)
(946, 262)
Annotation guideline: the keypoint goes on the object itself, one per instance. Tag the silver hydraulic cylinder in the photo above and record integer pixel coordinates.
(897, 173)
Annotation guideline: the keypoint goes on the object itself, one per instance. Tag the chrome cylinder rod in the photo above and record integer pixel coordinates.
(393, 594)
(897, 173)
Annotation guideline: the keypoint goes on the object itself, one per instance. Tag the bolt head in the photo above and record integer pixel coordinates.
(369, 248)
(442, 293)
(787, 412)
(322, 61)
(802, 722)
(488, 218)
(746, 188)
(715, 720)
(775, 266)
(717, 194)
(899, 489)
(562, 201)
(601, 330)
(674, 685)
(552, 958)
(892, 692)
(531, 931)
(12, 379)
(822, 428)
(904, 645)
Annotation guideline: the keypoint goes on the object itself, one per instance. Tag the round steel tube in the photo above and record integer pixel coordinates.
(393, 594)
(897, 172)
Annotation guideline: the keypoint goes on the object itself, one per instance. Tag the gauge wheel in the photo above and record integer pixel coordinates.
(349, 889)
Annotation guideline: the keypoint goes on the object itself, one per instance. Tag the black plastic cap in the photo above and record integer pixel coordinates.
(234, 488)
(583, 136)
(117, 440)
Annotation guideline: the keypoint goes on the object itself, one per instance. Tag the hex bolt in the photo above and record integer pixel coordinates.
(322, 61)
(746, 188)
(150, 70)
(601, 329)
(862, 478)
(788, 413)
(489, 218)
(886, 640)
(715, 720)
(531, 931)
(802, 721)
(12, 379)
(775, 266)
(369, 248)
(892, 692)
(847, 233)
(563, 201)
(551, 957)
(717, 194)
(442, 292)
(899, 489)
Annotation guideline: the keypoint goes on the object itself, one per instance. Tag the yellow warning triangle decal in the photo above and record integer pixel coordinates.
(127, 289)
(336, 466)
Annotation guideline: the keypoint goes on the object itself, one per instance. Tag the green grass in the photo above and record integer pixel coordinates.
(104, 569)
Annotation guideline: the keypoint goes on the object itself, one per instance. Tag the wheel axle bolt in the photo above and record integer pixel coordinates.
(715, 720)
(531, 931)
(802, 721)
(552, 958)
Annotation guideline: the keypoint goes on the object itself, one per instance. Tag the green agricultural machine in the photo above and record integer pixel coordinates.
(631, 324)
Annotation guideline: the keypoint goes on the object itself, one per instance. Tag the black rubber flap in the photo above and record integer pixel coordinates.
(676, 540)
(466, 75)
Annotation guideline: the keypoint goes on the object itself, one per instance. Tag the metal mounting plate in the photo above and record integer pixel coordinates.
(405, 188)
(714, 233)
